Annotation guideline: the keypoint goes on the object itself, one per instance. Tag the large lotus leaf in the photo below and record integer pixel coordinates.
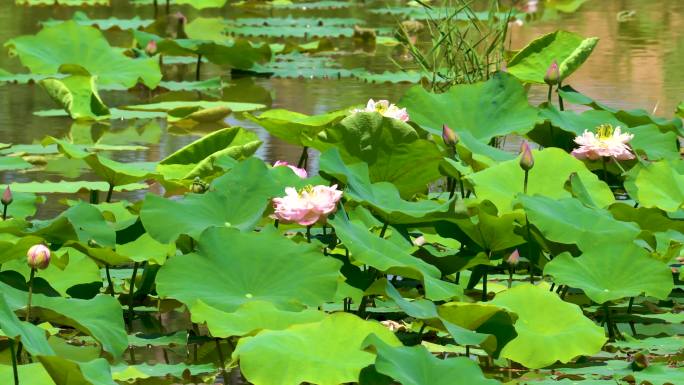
(28, 373)
(294, 127)
(552, 167)
(15, 247)
(8, 163)
(238, 199)
(100, 317)
(390, 147)
(77, 94)
(203, 104)
(415, 365)
(388, 257)
(488, 109)
(103, 24)
(66, 372)
(31, 336)
(658, 184)
(547, 324)
(70, 43)
(82, 222)
(198, 158)
(250, 318)
(139, 373)
(146, 249)
(247, 269)
(612, 270)
(382, 197)
(568, 221)
(490, 231)
(568, 49)
(328, 352)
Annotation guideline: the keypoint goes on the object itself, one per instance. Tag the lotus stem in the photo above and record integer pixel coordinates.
(156, 10)
(308, 234)
(198, 67)
(511, 269)
(221, 360)
(619, 165)
(384, 229)
(109, 193)
(131, 353)
(560, 98)
(609, 326)
(303, 158)
(527, 172)
(131, 313)
(110, 288)
(550, 93)
(4, 211)
(13, 354)
(629, 311)
(168, 7)
(484, 285)
(30, 294)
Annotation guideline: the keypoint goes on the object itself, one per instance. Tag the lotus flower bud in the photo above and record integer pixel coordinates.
(151, 48)
(38, 257)
(449, 136)
(552, 76)
(514, 258)
(526, 158)
(7, 197)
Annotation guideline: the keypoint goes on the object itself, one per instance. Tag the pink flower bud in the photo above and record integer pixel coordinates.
(552, 76)
(300, 172)
(514, 258)
(7, 197)
(151, 48)
(38, 257)
(449, 136)
(526, 158)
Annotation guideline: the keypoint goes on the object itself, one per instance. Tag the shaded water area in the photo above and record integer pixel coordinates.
(639, 63)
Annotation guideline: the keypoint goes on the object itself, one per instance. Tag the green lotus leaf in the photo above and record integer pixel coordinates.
(250, 318)
(70, 187)
(552, 167)
(295, 128)
(490, 231)
(14, 247)
(247, 270)
(291, 31)
(197, 4)
(238, 199)
(482, 324)
(290, 21)
(658, 184)
(168, 106)
(382, 197)
(70, 3)
(328, 352)
(82, 222)
(8, 163)
(146, 249)
(390, 148)
(653, 219)
(568, 49)
(28, 373)
(77, 94)
(415, 365)
(486, 110)
(547, 323)
(100, 316)
(390, 258)
(132, 373)
(24, 204)
(568, 221)
(199, 157)
(66, 372)
(103, 24)
(296, 65)
(70, 43)
(612, 270)
(31, 336)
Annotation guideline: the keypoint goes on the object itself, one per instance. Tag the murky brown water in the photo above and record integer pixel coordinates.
(637, 64)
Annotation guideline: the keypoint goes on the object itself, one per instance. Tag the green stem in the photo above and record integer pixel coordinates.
(308, 234)
(130, 294)
(4, 211)
(30, 294)
(303, 158)
(619, 165)
(527, 173)
(110, 288)
(560, 98)
(168, 7)
(13, 354)
(484, 285)
(529, 249)
(109, 193)
(609, 326)
(550, 93)
(198, 67)
(384, 229)
(221, 360)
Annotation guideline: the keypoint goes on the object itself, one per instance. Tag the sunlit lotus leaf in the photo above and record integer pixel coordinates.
(547, 323)
(8, 77)
(82, 222)
(24, 204)
(115, 114)
(415, 365)
(70, 187)
(145, 133)
(9, 163)
(103, 24)
(612, 270)
(15, 247)
(77, 94)
(490, 231)
(250, 318)
(146, 249)
(658, 184)
(238, 199)
(552, 167)
(32, 337)
(66, 372)
(100, 317)
(328, 352)
(201, 85)
(199, 157)
(70, 43)
(650, 219)
(488, 109)
(168, 106)
(248, 270)
(568, 221)
(30, 373)
(68, 268)
(568, 49)
(295, 128)
(390, 258)
(390, 148)
(382, 197)
(130, 374)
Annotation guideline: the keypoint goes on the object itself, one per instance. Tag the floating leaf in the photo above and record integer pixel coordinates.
(658, 184)
(295, 128)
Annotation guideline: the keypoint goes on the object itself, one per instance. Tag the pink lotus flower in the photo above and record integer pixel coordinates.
(385, 108)
(607, 142)
(299, 171)
(308, 206)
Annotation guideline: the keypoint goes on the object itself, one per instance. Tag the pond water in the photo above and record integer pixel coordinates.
(639, 63)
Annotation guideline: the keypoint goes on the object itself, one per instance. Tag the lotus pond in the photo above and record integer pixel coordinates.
(341, 192)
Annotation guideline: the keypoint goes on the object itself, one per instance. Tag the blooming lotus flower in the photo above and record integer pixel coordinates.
(385, 108)
(308, 206)
(38, 257)
(299, 171)
(607, 142)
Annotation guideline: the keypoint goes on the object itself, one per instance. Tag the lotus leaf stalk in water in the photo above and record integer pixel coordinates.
(385, 108)
(308, 206)
(297, 170)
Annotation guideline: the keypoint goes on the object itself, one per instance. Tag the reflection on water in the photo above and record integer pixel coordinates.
(638, 63)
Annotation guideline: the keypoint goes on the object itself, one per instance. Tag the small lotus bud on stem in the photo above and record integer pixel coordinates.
(37, 257)
(526, 161)
(514, 258)
(449, 136)
(552, 76)
(6, 200)
(151, 48)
